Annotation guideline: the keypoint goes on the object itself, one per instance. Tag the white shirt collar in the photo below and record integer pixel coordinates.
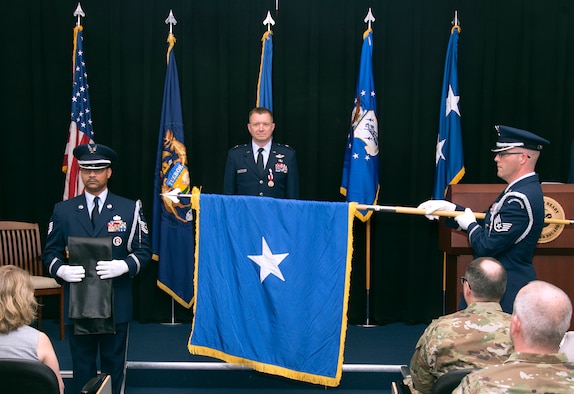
(90, 199)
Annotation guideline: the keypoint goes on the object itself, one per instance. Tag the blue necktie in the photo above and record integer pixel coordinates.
(260, 161)
(95, 211)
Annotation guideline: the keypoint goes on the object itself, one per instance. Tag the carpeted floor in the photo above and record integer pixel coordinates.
(153, 347)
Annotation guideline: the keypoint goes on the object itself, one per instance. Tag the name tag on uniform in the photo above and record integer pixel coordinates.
(242, 170)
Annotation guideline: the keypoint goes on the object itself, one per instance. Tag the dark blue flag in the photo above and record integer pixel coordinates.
(172, 235)
(360, 181)
(449, 155)
(272, 288)
(264, 84)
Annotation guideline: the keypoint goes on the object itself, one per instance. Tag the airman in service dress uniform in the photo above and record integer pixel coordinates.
(514, 222)
(121, 220)
(263, 167)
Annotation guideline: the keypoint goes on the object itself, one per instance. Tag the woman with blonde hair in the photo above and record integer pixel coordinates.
(18, 308)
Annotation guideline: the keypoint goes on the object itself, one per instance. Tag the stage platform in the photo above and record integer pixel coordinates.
(158, 361)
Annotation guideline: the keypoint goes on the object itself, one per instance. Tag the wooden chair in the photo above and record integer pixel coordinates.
(20, 245)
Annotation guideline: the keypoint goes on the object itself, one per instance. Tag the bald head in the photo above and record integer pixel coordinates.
(544, 312)
(487, 280)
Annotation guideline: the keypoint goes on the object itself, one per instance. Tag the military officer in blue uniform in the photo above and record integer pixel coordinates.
(99, 213)
(263, 167)
(514, 222)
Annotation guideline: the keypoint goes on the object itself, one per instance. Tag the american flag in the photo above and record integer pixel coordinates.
(81, 131)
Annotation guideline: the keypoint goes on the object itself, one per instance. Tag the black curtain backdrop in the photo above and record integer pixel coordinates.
(516, 59)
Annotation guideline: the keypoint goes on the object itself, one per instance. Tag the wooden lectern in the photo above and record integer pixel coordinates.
(554, 255)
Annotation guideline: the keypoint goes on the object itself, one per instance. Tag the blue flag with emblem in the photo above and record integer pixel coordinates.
(172, 235)
(360, 182)
(449, 156)
(272, 288)
(264, 84)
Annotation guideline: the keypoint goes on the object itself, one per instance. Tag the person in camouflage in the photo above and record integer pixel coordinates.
(541, 317)
(471, 338)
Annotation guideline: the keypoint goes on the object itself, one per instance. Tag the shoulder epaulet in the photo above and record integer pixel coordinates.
(285, 146)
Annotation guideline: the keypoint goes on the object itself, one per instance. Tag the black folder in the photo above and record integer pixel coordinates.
(91, 300)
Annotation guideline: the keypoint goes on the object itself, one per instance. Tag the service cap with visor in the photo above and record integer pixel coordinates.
(510, 137)
(94, 156)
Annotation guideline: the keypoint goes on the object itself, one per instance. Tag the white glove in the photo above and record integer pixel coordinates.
(107, 269)
(436, 205)
(465, 219)
(71, 273)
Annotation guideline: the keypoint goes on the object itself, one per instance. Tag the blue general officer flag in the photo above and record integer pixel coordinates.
(449, 155)
(264, 84)
(360, 182)
(272, 284)
(172, 235)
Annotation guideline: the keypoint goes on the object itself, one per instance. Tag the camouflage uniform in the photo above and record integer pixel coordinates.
(471, 338)
(523, 373)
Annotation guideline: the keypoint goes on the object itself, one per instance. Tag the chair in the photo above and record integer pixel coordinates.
(398, 386)
(27, 376)
(450, 380)
(101, 384)
(20, 246)
(567, 345)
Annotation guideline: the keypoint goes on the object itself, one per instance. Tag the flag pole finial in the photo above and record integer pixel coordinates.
(455, 22)
(171, 21)
(369, 18)
(79, 12)
(269, 21)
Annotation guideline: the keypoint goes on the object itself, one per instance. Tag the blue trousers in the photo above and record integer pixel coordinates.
(84, 349)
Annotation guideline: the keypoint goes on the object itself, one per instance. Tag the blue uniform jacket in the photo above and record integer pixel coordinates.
(122, 220)
(280, 178)
(510, 232)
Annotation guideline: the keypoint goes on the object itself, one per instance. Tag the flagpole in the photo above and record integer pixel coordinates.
(421, 211)
(171, 21)
(368, 274)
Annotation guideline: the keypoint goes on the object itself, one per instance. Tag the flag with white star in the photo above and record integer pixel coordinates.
(360, 181)
(80, 131)
(272, 284)
(264, 84)
(449, 156)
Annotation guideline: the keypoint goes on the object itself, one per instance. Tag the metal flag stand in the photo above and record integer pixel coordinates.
(172, 322)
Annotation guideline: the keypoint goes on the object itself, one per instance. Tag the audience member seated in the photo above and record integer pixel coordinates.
(474, 337)
(17, 310)
(540, 318)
